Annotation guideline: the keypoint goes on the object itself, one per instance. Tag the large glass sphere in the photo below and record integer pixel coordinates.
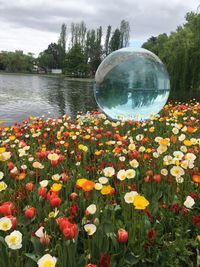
(131, 84)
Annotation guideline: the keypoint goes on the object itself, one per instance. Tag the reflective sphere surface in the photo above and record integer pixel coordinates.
(131, 84)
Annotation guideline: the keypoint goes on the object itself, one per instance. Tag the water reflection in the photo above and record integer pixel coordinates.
(25, 95)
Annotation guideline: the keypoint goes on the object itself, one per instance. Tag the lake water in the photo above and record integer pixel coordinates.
(22, 96)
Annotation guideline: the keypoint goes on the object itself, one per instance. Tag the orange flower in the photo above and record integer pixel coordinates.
(21, 176)
(145, 140)
(191, 129)
(146, 156)
(45, 134)
(88, 185)
(117, 150)
(66, 145)
(196, 178)
(173, 139)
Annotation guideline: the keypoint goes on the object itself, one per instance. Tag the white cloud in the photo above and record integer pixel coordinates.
(31, 25)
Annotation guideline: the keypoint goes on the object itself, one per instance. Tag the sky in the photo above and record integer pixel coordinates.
(30, 25)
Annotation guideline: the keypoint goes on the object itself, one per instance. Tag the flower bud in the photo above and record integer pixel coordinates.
(30, 212)
(29, 187)
(122, 236)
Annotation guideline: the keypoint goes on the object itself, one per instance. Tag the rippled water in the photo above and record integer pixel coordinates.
(33, 95)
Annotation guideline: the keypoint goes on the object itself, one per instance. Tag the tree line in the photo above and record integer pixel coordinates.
(180, 51)
(86, 49)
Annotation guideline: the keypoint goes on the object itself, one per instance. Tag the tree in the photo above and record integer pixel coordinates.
(78, 33)
(115, 41)
(124, 33)
(52, 57)
(75, 62)
(16, 61)
(107, 40)
(62, 38)
(180, 51)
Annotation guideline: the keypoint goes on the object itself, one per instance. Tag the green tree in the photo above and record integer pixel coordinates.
(115, 41)
(78, 33)
(124, 33)
(62, 38)
(107, 40)
(52, 57)
(180, 51)
(75, 62)
(16, 61)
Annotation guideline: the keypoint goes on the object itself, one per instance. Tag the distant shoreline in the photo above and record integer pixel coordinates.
(48, 76)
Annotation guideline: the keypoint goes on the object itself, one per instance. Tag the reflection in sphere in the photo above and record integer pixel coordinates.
(131, 84)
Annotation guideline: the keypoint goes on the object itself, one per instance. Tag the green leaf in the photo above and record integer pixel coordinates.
(32, 256)
(30, 263)
(2, 240)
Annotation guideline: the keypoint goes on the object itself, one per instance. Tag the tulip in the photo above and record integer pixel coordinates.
(54, 163)
(10, 165)
(151, 235)
(30, 213)
(45, 239)
(7, 208)
(63, 222)
(55, 202)
(122, 236)
(29, 187)
(147, 179)
(70, 231)
(157, 178)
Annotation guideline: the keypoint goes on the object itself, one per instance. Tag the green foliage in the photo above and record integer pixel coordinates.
(180, 51)
(16, 61)
(75, 62)
(52, 57)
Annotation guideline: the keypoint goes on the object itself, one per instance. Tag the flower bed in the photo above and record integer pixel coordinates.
(93, 192)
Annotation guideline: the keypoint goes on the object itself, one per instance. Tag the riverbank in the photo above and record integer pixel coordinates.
(63, 76)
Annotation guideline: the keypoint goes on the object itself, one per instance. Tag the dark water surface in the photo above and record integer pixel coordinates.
(22, 96)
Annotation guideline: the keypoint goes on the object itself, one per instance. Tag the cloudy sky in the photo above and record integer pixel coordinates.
(30, 25)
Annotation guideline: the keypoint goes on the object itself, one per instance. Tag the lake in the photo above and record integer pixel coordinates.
(34, 95)
(22, 96)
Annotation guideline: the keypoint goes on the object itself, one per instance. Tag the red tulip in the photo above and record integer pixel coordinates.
(10, 165)
(105, 260)
(30, 212)
(184, 211)
(149, 172)
(29, 187)
(70, 231)
(55, 202)
(54, 163)
(122, 236)
(7, 208)
(157, 178)
(42, 192)
(196, 220)
(62, 222)
(151, 235)
(147, 179)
